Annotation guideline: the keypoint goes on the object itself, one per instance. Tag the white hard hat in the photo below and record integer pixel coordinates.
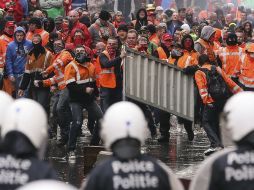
(28, 117)
(123, 120)
(47, 185)
(158, 8)
(238, 115)
(5, 102)
(186, 27)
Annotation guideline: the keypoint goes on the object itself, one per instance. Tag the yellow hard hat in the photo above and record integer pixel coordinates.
(150, 7)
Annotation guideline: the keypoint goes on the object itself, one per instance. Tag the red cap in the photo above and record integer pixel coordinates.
(166, 36)
(9, 24)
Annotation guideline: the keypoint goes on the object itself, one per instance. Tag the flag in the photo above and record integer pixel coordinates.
(167, 4)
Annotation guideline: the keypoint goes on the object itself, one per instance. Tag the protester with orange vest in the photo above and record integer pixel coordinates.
(80, 79)
(212, 107)
(189, 56)
(154, 41)
(110, 76)
(245, 71)
(205, 45)
(163, 52)
(62, 109)
(38, 60)
(6, 38)
(99, 48)
(231, 55)
(35, 27)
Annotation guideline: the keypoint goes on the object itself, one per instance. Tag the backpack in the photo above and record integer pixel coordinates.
(217, 87)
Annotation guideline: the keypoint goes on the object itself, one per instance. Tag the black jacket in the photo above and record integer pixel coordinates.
(143, 172)
(19, 163)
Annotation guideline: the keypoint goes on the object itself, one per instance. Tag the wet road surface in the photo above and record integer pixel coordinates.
(181, 155)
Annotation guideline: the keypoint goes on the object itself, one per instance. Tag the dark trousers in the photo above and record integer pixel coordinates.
(77, 115)
(210, 122)
(110, 96)
(62, 110)
(186, 123)
(148, 114)
(41, 95)
(164, 123)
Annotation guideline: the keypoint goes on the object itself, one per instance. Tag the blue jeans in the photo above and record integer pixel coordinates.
(94, 111)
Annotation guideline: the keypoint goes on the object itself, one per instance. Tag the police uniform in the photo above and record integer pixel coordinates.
(143, 172)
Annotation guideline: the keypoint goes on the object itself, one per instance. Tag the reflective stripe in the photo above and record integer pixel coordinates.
(43, 33)
(243, 58)
(34, 70)
(60, 62)
(203, 95)
(188, 61)
(45, 60)
(70, 81)
(235, 88)
(203, 90)
(231, 53)
(55, 65)
(76, 69)
(248, 79)
(85, 81)
(61, 83)
(246, 85)
(224, 58)
(107, 71)
(219, 70)
(60, 76)
(52, 81)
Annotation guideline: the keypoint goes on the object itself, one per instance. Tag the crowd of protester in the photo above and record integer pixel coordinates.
(68, 60)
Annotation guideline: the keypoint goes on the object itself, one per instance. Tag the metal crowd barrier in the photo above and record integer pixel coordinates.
(158, 84)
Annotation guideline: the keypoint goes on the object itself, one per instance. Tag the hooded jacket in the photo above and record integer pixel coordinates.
(203, 45)
(138, 23)
(16, 54)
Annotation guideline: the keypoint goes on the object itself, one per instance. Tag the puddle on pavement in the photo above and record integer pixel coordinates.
(179, 154)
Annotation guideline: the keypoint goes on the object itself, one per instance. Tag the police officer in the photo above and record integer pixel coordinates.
(124, 129)
(232, 168)
(47, 184)
(24, 137)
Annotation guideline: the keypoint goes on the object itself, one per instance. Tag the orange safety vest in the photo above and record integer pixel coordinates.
(187, 59)
(200, 78)
(75, 72)
(162, 54)
(97, 65)
(58, 67)
(4, 40)
(7, 84)
(246, 76)
(43, 33)
(154, 39)
(209, 49)
(107, 76)
(230, 58)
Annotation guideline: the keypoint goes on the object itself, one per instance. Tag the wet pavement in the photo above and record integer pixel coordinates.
(181, 155)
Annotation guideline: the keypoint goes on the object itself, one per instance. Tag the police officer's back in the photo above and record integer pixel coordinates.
(24, 137)
(124, 129)
(232, 168)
